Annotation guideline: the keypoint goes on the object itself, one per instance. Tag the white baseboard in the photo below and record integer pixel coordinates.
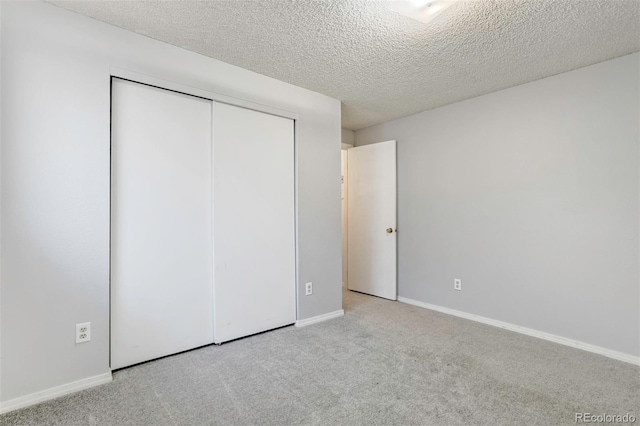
(55, 392)
(319, 318)
(528, 331)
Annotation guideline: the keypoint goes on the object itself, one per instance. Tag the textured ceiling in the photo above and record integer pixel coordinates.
(383, 65)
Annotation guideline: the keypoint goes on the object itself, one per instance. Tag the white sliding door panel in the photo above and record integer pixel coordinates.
(372, 219)
(253, 222)
(161, 227)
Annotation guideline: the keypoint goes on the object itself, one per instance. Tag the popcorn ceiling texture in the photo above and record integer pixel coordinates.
(383, 65)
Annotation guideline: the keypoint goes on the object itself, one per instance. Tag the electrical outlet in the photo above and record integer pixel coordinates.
(83, 332)
(457, 284)
(309, 289)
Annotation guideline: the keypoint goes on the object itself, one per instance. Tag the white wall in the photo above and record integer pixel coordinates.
(348, 136)
(530, 195)
(55, 183)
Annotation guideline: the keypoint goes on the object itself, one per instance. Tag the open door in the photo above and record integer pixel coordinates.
(372, 232)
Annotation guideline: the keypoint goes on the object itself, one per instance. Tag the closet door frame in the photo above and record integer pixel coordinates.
(160, 83)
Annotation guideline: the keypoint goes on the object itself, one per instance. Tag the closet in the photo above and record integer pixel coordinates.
(202, 222)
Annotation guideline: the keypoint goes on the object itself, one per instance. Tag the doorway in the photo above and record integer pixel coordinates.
(344, 189)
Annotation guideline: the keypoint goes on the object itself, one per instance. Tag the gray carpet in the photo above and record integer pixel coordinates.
(384, 363)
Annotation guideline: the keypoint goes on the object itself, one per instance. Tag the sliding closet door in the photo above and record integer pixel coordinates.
(253, 222)
(161, 228)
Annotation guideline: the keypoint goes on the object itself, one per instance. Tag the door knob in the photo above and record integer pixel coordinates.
(389, 230)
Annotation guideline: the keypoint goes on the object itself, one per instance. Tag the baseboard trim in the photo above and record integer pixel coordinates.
(620, 356)
(319, 318)
(55, 392)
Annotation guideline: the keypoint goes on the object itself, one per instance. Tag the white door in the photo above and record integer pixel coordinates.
(372, 219)
(161, 232)
(344, 191)
(254, 224)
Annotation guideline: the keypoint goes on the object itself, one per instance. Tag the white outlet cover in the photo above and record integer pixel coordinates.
(309, 289)
(457, 284)
(83, 332)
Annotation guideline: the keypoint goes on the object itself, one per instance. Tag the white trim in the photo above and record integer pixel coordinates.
(319, 318)
(201, 93)
(620, 356)
(346, 145)
(55, 392)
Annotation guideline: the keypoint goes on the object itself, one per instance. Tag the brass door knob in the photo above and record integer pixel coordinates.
(389, 230)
